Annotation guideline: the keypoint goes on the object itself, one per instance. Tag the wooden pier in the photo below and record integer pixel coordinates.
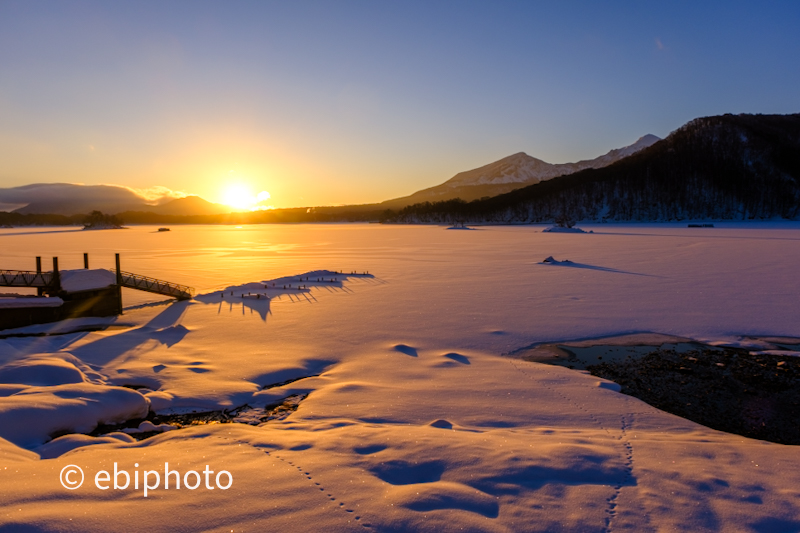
(50, 283)
(94, 301)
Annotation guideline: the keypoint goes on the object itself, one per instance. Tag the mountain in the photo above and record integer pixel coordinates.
(513, 172)
(189, 206)
(732, 167)
(72, 199)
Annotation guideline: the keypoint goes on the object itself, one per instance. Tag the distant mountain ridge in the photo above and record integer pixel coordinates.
(72, 199)
(729, 167)
(189, 206)
(514, 172)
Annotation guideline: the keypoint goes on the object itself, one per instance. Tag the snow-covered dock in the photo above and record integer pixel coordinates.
(76, 293)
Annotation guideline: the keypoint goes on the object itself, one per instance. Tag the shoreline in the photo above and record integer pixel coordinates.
(753, 392)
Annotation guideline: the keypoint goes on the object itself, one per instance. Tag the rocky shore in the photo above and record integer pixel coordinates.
(755, 395)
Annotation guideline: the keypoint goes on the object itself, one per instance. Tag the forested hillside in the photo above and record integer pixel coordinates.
(735, 167)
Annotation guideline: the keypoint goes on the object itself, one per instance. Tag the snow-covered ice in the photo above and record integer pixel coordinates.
(414, 418)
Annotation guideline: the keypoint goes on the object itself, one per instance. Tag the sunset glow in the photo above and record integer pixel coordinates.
(241, 196)
(399, 266)
(125, 106)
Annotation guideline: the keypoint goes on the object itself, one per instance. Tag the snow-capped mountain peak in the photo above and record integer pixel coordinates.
(522, 168)
(513, 172)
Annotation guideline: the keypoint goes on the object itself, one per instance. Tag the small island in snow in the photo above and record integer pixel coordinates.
(460, 225)
(564, 229)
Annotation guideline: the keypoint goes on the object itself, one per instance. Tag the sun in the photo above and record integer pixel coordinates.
(237, 196)
(240, 196)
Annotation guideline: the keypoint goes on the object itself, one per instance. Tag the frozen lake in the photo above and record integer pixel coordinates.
(474, 285)
(414, 419)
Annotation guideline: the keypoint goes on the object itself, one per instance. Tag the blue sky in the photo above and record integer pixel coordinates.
(351, 102)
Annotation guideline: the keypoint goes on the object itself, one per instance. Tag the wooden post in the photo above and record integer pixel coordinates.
(56, 277)
(118, 295)
(39, 290)
(119, 286)
(86, 261)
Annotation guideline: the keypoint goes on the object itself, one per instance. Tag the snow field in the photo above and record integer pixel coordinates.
(414, 420)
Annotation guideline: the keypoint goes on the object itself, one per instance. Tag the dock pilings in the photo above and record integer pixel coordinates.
(56, 277)
(39, 290)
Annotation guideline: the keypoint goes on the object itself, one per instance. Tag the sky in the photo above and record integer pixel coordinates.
(327, 103)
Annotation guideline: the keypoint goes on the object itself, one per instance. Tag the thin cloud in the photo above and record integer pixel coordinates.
(15, 197)
(262, 202)
(156, 195)
(659, 44)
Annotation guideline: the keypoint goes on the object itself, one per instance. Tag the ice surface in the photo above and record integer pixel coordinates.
(64, 326)
(414, 420)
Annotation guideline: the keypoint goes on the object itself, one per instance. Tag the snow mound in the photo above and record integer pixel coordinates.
(46, 370)
(84, 280)
(147, 427)
(609, 385)
(67, 443)
(41, 371)
(9, 453)
(159, 400)
(32, 416)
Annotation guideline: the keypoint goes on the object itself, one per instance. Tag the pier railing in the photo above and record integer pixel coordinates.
(158, 286)
(26, 278)
(46, 280)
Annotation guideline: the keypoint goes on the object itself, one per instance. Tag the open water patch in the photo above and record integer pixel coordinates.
(755, 395)
(750, 392)
(244, 414)
(580, 355)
